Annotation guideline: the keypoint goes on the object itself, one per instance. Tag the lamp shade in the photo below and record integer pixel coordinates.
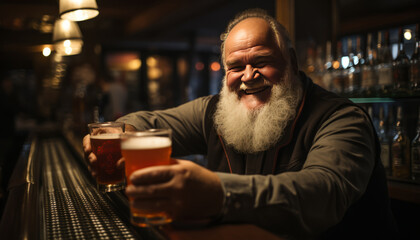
(78, 10)
(67, 37)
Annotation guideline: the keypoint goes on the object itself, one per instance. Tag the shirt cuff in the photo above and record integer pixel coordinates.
(238, 198)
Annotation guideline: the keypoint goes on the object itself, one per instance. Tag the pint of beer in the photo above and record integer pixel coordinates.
(106, 145)
(140, 150)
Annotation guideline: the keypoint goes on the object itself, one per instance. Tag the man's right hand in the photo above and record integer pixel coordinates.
(89, 155)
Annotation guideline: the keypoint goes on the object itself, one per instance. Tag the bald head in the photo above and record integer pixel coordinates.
(248, 33)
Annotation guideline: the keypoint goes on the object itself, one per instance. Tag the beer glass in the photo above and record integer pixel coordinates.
(140, 150)
(106, 145)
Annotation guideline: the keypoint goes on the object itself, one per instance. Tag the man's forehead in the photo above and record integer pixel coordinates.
(259, 52)
(249, 33)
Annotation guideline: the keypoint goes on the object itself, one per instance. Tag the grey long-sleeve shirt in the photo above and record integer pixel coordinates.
(334, 176)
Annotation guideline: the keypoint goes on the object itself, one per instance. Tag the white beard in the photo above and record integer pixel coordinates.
(251, 131)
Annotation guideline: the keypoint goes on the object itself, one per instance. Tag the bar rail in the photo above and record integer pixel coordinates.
(23, 189)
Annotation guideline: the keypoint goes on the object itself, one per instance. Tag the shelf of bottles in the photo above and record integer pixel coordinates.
(381, 76)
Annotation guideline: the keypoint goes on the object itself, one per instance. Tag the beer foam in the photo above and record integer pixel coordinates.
(105, 136)
(146, 143)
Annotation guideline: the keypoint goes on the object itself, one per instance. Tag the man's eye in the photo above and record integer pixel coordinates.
(260, 64)
(236, 68)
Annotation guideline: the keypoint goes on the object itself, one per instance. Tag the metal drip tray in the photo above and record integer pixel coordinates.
(72, 207)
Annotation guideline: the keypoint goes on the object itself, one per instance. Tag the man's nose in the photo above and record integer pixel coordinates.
(250, 73)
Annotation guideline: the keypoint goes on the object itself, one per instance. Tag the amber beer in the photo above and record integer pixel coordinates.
(106, 145)
(141, 150)
(107, 149)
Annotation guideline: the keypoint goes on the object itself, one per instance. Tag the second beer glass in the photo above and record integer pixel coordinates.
(105, 142)
(140, 150)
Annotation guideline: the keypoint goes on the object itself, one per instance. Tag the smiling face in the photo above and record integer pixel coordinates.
(254, 62)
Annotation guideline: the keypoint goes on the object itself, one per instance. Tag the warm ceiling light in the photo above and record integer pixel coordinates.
(67, 37)
(215, 66)
(407, 34)
(78, 10)
(46, 51)
(151, 62)
(134, 64)
(199, 66)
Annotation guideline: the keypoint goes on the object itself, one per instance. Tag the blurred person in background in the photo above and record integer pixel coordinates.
(117, 96)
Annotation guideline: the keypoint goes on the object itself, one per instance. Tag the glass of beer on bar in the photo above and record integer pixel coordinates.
(140, 150)
(106, 145)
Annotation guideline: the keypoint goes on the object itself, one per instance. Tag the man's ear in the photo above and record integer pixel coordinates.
(293, 60)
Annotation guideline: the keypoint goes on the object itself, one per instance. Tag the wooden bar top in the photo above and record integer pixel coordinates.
(220, 232)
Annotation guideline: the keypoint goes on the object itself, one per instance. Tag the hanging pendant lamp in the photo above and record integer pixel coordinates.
(78, 10)
(67, 38)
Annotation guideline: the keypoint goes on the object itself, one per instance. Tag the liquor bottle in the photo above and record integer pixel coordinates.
(384, 141)
(369, 76)
(359, 61)
(384, 66)
(415, 65)
(372, 117)
(347, 63)
(401, 69)
(338, 75)
(328, 67)
(310, 63)
(359, 53)
(390, 123)
(352, 72)
(415, 153)
(319, 67)
(400, 149)
(312, 69)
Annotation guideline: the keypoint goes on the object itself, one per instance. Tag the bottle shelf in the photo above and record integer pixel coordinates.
(384, 100)
(372, 100)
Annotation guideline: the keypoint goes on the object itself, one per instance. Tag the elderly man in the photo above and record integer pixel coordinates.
(282, 152)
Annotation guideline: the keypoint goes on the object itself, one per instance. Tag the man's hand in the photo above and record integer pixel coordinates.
(185, 190)
(89, 155)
